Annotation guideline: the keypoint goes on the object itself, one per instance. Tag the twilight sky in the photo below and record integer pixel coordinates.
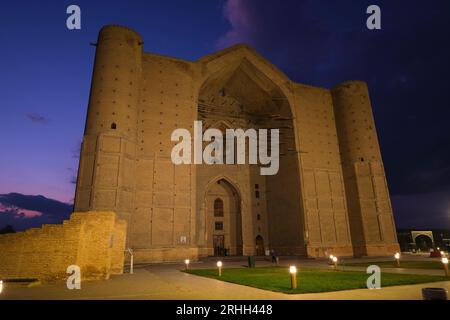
(45, 73)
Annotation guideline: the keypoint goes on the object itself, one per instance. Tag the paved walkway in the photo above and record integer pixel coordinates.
(165, 281)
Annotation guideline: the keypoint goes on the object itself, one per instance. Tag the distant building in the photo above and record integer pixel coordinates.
(411, 240)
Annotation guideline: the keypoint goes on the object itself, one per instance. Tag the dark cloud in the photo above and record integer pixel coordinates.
(406, 65)
(26, 211)
(37, 118)
(423, 211)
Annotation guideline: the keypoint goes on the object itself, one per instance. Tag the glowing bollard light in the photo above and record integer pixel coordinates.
(397, 259)
(219, 265)
(335, 261)
(186, 262)
(293, 272)
(1, 286)
(445, 263)
(331, 258)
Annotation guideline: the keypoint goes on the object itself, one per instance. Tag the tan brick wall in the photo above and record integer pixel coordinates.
(94, 241)
(118, 247)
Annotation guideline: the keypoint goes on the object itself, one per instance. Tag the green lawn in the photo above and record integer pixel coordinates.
(403, 264)
(309, 280)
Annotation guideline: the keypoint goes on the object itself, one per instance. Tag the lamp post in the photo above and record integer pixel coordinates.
(293, 272)
(186, 263)
(335, 261)
(445, 263)
(397, 259)
(219, 265)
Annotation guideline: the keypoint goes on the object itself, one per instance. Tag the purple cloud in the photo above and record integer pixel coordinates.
(27, 211)
(37, 118)
(243, 23)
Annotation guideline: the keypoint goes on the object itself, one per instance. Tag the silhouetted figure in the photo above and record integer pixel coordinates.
(274, 257)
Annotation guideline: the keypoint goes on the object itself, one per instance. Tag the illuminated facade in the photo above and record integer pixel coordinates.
(329, 196)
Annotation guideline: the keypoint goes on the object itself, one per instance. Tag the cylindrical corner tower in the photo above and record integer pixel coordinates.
(107, 162)
(115, 83)
(370, 213)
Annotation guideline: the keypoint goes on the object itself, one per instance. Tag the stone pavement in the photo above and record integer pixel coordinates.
(165, 281)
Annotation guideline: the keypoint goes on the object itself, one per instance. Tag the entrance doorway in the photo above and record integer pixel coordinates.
(260, 251)
(219, 245)
(424, 242)
(223, 219)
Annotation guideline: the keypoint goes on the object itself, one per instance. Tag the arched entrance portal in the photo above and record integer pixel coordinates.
(260, 250)
(424, 242)
(223, 219)
(244, 93)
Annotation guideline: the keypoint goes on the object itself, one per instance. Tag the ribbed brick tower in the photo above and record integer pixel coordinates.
(369, 207)
(107, 166)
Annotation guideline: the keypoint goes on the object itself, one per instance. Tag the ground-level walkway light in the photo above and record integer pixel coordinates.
(397, 259)
(219, 265)
(293, 272)
(331, 259)
(445, 263)
(335, 261)
(186, 262)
